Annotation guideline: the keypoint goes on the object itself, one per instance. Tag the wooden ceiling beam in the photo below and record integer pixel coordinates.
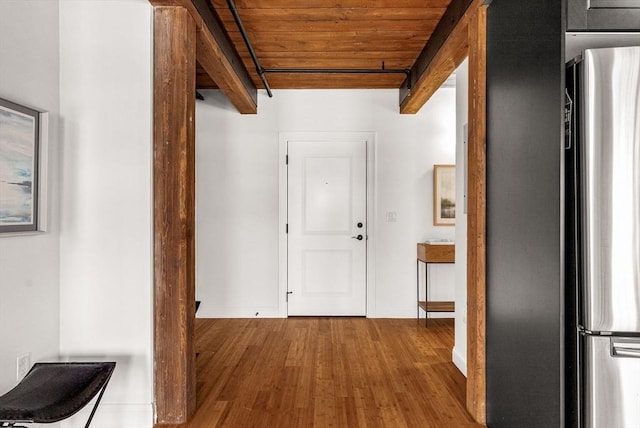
(334, 81)
(203, 80)
(420, 26)
(217, 56)
(443, 53)
(309, 14)
(346, 4)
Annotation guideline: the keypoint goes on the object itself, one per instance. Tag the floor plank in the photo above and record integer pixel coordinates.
(327, 372)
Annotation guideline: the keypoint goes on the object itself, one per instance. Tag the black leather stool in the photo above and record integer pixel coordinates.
(51, 392)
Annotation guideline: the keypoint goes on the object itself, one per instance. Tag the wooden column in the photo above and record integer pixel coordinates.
(174, 213)
(476, 218)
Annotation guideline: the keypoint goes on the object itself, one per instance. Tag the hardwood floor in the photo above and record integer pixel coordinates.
(327, 372)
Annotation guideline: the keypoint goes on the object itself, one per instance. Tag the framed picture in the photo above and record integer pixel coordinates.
(444, 195)
(19, 152)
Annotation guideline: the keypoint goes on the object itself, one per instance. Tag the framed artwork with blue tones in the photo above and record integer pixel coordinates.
(19, 150)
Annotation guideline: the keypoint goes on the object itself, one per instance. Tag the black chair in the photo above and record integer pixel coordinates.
(51, 392)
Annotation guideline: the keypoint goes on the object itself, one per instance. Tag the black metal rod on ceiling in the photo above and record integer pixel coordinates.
(338, 70)
(243, 32)
(405, 71)
(261, 71)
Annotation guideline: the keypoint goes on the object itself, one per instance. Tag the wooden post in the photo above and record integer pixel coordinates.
(476, 219)
(174, 213)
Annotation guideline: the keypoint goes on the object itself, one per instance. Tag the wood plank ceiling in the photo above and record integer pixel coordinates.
(344, 34)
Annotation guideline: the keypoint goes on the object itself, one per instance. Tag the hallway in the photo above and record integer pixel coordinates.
(340, 372)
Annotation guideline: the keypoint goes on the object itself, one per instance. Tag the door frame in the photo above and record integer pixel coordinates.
(283, 250)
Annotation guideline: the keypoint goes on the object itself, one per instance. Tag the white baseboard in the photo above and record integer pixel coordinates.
(460, 361)
(403, 312)
(113, 416)
(226, 312)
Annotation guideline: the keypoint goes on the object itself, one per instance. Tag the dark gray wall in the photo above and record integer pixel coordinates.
(581, 16)
(525, 87)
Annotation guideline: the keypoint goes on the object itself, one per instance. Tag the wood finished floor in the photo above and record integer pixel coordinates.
(327, 372)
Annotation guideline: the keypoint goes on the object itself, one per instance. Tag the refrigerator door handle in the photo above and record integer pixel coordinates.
(568, 109)
(628, 348)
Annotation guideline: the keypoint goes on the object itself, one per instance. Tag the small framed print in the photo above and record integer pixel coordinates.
(444, 195)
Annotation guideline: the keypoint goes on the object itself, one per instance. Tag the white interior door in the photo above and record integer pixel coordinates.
(327, 238)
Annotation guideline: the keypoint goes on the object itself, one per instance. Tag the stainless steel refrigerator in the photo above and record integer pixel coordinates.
(603, 259)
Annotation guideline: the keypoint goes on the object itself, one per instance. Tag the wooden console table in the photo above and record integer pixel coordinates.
(433, 253)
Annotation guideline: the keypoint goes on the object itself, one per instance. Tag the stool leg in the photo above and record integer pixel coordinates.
(95, 406)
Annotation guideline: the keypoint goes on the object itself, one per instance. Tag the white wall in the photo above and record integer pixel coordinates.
(29, 279)
(462, 112)
(237, 193)
(106, 211)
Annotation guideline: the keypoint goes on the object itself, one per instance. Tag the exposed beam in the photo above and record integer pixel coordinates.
(476, 217)
(221, 61)
(174, 52)
(443, 53)
(462, 34)
(217, 56)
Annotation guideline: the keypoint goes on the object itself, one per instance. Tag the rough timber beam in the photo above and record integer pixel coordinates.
(476, 217)
(217, 56)
(445, 50)
(174, 104)
(465, 36)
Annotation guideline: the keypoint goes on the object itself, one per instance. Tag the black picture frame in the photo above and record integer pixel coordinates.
(19, 167)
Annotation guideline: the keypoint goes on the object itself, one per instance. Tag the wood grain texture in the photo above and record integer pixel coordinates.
(217, 57)
(468, 38)
(174, 212)
(333, 81)
(476, 217)
(332, 34)
(203, 80)
(332, 4)
(446, 26)
(341, 372)
(442, 306)
(351, 14)
(439, 62)
(327, 41)
(360, 59)
(436, 253)
(316, 26)
(216, 65)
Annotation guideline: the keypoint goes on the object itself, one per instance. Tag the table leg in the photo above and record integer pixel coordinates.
(426, 294)
(418, 287)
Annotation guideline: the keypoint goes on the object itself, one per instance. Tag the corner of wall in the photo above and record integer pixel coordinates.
(462, 107)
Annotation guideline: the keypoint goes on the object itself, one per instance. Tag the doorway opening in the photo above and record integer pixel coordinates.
(179, 343)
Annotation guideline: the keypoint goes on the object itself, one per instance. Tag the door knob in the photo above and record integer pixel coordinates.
(360, 225)
(359, 237)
